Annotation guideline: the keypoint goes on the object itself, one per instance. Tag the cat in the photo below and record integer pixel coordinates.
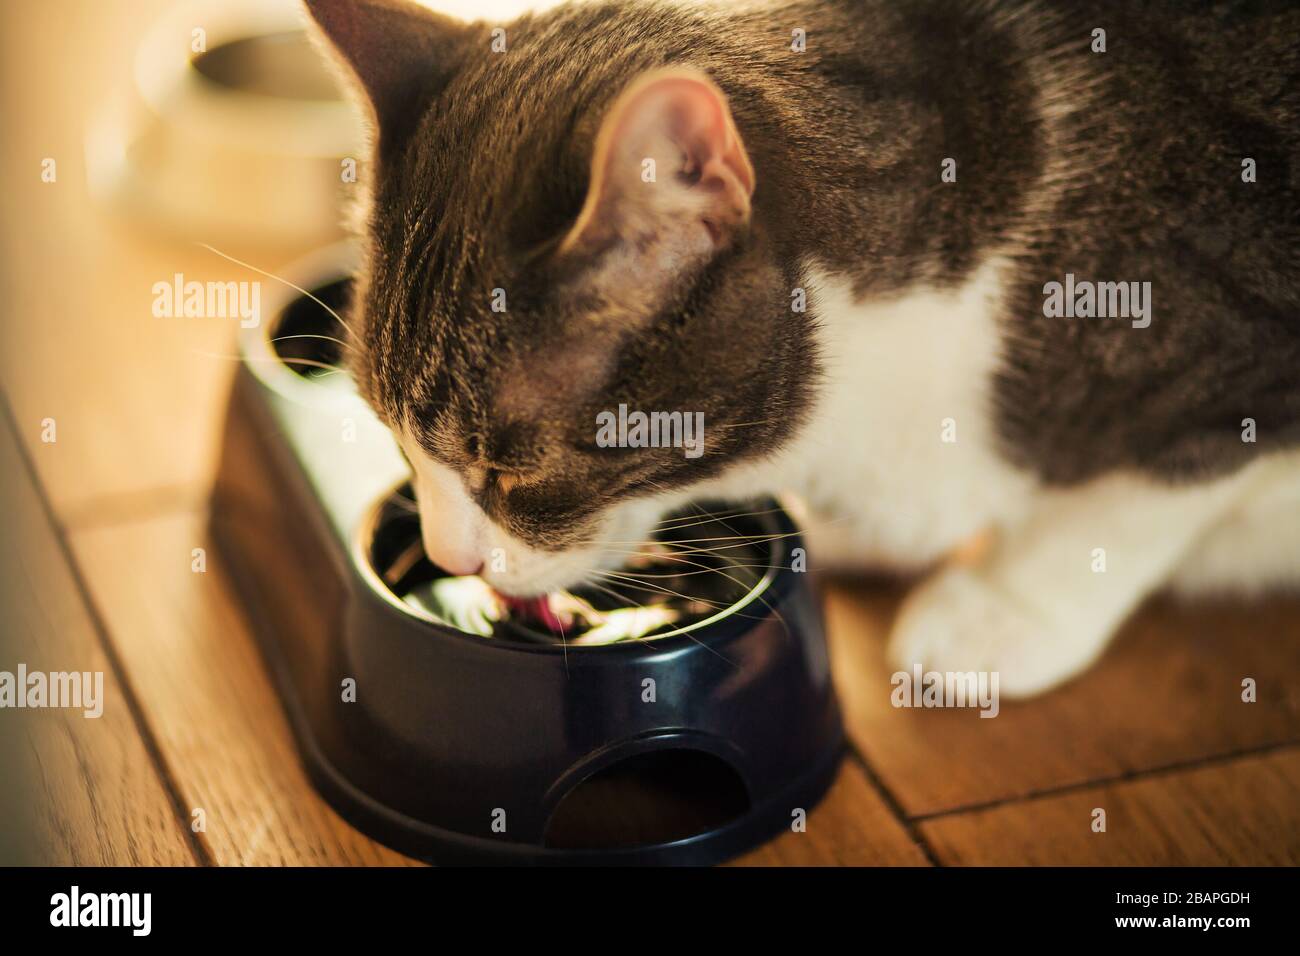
(837, 229)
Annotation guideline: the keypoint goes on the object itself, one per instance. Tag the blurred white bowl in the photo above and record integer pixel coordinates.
(245, 140)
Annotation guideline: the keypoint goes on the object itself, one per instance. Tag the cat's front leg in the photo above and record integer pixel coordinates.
(1040, 605)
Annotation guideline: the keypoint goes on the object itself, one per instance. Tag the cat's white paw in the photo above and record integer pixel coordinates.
(957, 621)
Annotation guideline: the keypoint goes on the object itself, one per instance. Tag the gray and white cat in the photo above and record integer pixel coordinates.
(947, 185)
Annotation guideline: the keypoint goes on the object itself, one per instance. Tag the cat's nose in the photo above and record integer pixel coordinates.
(457, 560)
(451, 525)
(458, 565)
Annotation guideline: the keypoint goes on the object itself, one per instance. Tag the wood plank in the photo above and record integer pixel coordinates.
(1244, 811)
(1167, 692)
(202, 686)
(74, 791)
(852, 826)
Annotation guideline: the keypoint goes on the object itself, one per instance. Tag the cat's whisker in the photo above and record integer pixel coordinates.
(656, 589)
(671, 556)
(270, 275)
(691, 521)
(312, 363)
(308, 335)
(587, 582)
(657, 543)
(564, 647)
(682, 574)
(719, 549)
(761, 536)
(773, 536)
(677, 556)
(784, 624)
(711, 650)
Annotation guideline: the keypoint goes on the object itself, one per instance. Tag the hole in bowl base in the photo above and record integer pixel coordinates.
(648, 799)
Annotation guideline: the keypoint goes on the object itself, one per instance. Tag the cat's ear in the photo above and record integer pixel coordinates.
(400, 54)
(670, 177)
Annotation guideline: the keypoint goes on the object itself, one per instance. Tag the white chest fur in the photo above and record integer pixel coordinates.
(897, 463)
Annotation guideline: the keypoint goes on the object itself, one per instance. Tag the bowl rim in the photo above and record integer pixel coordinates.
(718, 628)
(333, 264)
(181, 98)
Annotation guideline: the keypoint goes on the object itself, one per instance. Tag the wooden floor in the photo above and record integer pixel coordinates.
(97, 575)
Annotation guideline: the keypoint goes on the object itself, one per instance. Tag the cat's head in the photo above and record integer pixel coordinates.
(562, 220)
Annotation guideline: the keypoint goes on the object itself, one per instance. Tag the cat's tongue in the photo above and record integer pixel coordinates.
(537, 611)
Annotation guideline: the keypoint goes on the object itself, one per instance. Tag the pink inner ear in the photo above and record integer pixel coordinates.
(702, 125)
(683, 108)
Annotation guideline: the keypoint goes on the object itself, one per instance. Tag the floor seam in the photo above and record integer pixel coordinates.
(98, 624)
(894, 807)
(134, 507)
(1130, 776)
